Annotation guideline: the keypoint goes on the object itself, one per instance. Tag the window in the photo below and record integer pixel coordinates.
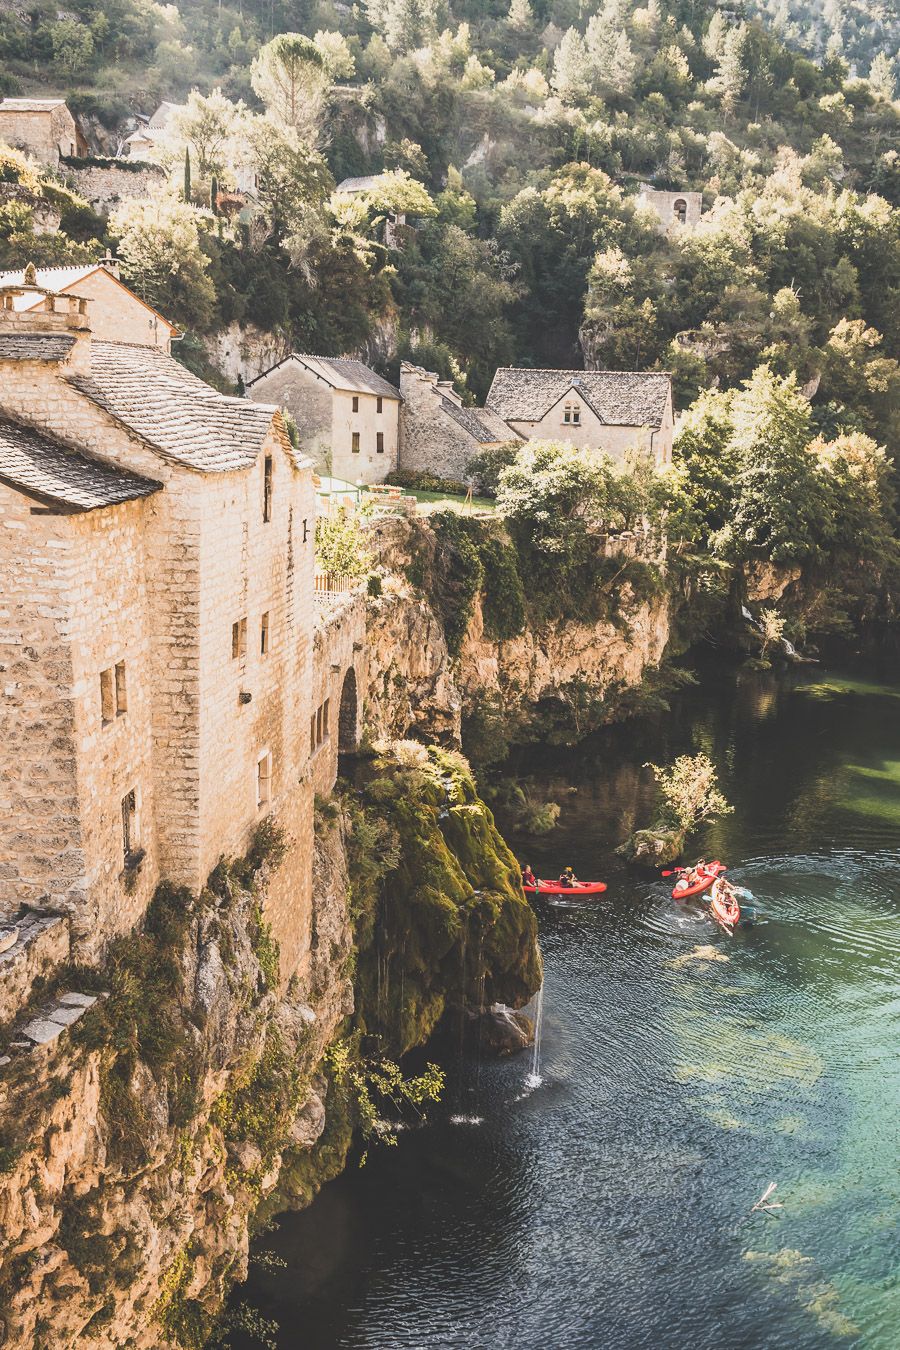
(312, 734)
(319, 737)
(239, 639)
(356, 402)
(264, 634)
(354, 443)
(107, 696)
(131, 840)
(319, 729)
(379, 404)
(267, 489)
(576, 414)
(325, 710)
(379, 442)
(572, 414)
(121, 694)
(263, 780)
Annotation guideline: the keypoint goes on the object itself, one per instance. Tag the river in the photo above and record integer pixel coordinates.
(682, 1071)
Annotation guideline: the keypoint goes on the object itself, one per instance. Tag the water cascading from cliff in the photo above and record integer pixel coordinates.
(535, 1078)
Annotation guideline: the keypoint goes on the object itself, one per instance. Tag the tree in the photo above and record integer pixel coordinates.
(882, 77)
(689, 791)
(520, 16)
(187, 175)
(290, 75)
(159, 245)
(73, 45)
(340, 546)
(624, 65)
(731, 73)
(207, 127)
(338, 58)
(572, 68)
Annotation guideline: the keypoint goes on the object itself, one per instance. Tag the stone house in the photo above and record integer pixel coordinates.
(673, 208)
(348, 417)
(609, 410)
(395, 223)
(156, 630)
(438, 434)
(43, 127)
(117, 314)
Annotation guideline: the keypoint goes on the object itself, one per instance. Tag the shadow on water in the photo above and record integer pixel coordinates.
(681, 1072)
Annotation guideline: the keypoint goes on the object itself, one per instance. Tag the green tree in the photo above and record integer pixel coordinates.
(882, 76)
(571, 68)
(290, 75)
(159, 245)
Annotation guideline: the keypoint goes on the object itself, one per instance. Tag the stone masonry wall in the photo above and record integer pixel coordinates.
(339, 649)
(104, 188)
(430, 440)
(308, 400)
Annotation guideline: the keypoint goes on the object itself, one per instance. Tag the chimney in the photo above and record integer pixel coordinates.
(112, 265)
(28, 309)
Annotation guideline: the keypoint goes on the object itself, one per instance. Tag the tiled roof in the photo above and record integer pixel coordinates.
(619, 397)
(59, 279)
(162, 402)
(35, 346)
(342, 373)
(481, 424)
(46, 469)
(31, 104)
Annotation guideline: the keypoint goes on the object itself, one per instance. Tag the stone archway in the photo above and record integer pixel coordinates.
(679, 210)
(348, 716)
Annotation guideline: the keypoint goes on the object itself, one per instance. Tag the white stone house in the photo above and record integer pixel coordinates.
(438, 433)
(156, 573)
(43, 127)
(117, 314)
(613, 411)
(348, 417)
(673, 208)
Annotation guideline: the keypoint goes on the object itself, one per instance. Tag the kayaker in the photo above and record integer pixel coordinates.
(567, 877)
(528, 877)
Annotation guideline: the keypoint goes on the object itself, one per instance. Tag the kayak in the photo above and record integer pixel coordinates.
(724, 907)
(554, 888)
(709, 872)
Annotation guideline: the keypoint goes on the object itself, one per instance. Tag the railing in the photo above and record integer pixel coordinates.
(333, 583)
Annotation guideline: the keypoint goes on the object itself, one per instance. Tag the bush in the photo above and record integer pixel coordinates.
(425, 482)
(485, 468)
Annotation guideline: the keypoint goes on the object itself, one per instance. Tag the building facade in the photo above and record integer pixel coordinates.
(438, 434)
(612, 411)
(348, 417)
(156, 630)
(673, 208)
(43, 127)
(117, 314)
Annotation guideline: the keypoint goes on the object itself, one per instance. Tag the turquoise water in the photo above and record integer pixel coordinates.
(682, 1072)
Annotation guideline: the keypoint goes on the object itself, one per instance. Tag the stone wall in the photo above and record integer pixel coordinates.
(339, 677)
(44, 135)
(243, 351)
(430, 440)
(104, 188)
(663, 204)
(308, 400)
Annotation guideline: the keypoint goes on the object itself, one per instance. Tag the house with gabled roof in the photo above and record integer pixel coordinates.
(439, 434)
(157, 573)
(44, 128)
(614, 411)
(117, 313)
(347, 416)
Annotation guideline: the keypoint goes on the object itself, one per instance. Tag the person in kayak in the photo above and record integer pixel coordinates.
(528, 877)
(567, 877)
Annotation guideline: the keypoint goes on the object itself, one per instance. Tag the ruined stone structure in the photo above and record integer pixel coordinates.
(156, 551)
(105, 185)
(117, 314)
(348, 417)
(42, 127)
(673, 208)
(613, 411)
(438, 434)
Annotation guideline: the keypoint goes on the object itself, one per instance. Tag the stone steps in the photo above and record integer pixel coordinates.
(45, 1026)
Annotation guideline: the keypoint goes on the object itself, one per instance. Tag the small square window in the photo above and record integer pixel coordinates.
(354, 442)
(264, 634)
(263, 780)
(107, 696)
(379, 442)
(121, 691)
(267, 489)
(239, 639)
(379, 404)
(567, 414)
(356, 402)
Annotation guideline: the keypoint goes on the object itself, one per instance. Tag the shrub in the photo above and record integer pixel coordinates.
(416, 481)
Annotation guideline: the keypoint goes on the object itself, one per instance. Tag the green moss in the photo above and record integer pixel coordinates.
(261, 1104)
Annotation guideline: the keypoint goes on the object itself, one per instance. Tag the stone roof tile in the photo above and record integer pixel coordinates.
(44, 468)
(341, 372)
(188, 421)
(618, 397)
(481, 424)
(35, 346)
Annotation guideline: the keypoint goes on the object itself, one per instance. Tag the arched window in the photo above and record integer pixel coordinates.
(572, 414)
(348, 731)
(679, 210)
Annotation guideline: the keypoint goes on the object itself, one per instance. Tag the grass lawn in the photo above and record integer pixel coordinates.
(439, 501)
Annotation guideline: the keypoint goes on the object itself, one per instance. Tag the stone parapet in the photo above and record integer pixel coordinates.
(41, 946)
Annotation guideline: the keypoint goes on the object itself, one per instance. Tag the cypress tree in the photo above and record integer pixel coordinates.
(187, 173)
(214, 195)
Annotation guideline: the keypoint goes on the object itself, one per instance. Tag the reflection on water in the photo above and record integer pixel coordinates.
(682, 1071)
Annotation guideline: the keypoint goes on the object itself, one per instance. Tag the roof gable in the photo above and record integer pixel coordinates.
(618, 397)
(482, 425)
(41, 467)
(353, 377)
(62, 279)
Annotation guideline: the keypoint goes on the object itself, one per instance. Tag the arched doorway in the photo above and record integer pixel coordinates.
(348, 734)
(680, 211)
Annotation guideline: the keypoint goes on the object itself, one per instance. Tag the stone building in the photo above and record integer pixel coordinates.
(438, 434)
(43, 127)
(117, 314)
(610, 410)
(348, 417)
(673, 208)
(156, 630)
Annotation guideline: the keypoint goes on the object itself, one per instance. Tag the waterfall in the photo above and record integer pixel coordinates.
(535, 1079)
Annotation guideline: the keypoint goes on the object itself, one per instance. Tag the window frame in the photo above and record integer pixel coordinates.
(268, 483)
(120, 686)
(379, 403)
(107, 697)
(264, 633)
(354, 404)
(130, 817)
(354, 443)
(239, 639)
(379, 442)
(264, 780)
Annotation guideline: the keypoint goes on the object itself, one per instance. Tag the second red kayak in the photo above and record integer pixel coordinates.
(554, 888)
(708, 873)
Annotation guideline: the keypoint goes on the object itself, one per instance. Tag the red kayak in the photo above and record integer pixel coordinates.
(724, 906)
(708, 873)
(554, 888)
